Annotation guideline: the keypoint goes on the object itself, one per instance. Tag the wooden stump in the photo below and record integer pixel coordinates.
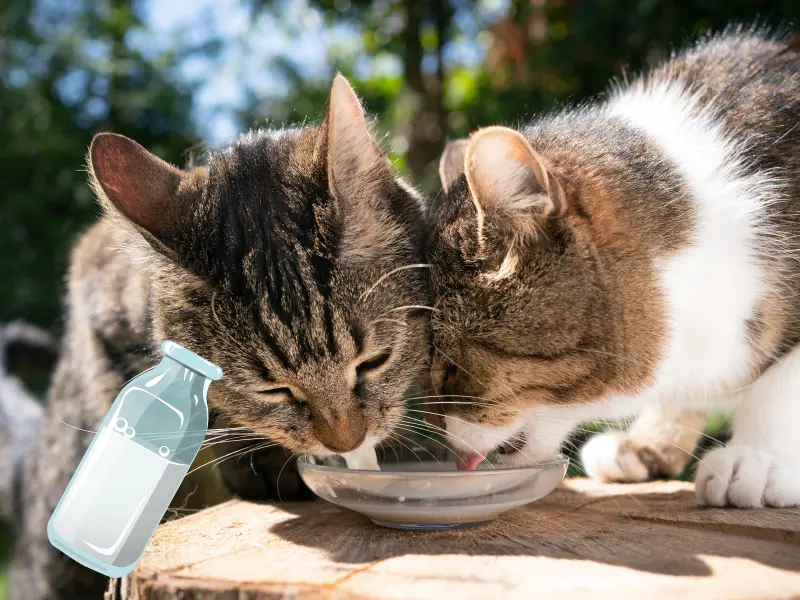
(585, 541)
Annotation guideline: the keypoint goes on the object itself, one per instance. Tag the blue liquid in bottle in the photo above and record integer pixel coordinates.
(135, 464)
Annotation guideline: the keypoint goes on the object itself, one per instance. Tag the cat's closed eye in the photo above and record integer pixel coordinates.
(282, 393)
(370, 367)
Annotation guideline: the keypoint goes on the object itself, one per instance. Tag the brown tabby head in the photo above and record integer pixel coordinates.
(270, 262)
(541, 275)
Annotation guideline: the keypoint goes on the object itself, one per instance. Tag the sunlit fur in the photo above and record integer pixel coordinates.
(260, 260)
(269, 280)
(671, 280)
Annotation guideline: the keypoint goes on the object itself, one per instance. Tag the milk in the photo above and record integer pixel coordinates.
(364, 458)
(108, 514)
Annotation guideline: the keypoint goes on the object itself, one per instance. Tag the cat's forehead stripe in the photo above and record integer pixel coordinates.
(274, 250)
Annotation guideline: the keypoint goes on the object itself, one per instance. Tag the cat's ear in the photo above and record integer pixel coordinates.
(506, 177)
(137, 184)
(451, 164)
(355, 163)
(359, 177)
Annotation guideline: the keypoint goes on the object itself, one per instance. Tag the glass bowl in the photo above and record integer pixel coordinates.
(423, 490)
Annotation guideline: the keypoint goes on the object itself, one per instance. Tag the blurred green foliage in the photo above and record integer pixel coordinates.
(5, 556)
(60, 85)
(69, 70)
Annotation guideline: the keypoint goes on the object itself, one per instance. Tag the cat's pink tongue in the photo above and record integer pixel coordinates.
(469, 462)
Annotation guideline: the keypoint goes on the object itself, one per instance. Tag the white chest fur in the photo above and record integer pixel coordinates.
(713, 286)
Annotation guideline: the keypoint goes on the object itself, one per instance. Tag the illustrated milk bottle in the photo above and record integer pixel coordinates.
(135, 464)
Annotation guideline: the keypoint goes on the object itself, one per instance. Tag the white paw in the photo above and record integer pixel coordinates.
(613, 457)
(747, 477)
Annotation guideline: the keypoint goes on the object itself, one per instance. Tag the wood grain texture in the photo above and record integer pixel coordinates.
(585, 541)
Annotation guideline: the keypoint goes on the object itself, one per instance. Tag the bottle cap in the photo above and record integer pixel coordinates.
(191, 360)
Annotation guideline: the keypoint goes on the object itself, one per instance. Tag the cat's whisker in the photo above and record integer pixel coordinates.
(420, 430)
(629, 422)
(151, 436)
(486, 431)
(233, 454)
(455, 364)
(444, 432)
(389, 274)
(76, 427)
(422, 425)
(169, 435)
(239, 435)
(215, 442)
(395, 436)
(219, 429)
(428, 390)
(389, 320)
(611, 355)
(486, 401)
(242, 431)
(252, 466)
(232, 438)
(421, 447)
(478, 426)
(389, 439)
(447, 403)
(413, 307)
(676, 446)
(278, 482)
(417, 430)
(427, 426)
(786, 133)
(701, 433)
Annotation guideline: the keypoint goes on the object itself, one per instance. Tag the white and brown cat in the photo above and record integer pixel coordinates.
(636, 256)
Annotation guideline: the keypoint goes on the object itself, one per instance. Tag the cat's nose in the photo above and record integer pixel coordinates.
(339, 430)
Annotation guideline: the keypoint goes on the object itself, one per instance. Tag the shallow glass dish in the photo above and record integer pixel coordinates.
(426, 491)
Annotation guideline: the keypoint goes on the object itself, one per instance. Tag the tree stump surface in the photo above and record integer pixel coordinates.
(586, 540)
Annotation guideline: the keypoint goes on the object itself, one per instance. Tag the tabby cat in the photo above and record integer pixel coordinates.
(636, 255)
(277, 261)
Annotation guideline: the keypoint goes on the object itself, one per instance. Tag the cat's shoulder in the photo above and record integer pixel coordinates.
(106, 248)
(108, 279)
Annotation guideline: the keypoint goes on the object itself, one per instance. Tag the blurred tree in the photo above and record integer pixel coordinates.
(67, 72)
(539, 54)
(409, 33)
(547, 52)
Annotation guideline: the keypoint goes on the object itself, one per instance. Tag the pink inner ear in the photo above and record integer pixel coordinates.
(139, 185)
(345, 104)
(451, 164)
(502, 169)
(351, 151)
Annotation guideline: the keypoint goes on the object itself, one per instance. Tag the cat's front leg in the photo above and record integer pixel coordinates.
(657, 446)
(761, 464)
